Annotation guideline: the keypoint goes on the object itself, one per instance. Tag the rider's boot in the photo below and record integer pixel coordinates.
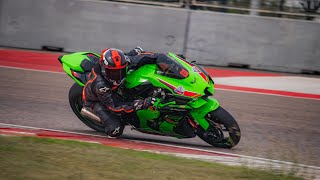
(111, 122)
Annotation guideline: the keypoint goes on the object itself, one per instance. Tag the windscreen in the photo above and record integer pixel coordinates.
(169, 67)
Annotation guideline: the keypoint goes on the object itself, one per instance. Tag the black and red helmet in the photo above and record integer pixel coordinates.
(113, 64)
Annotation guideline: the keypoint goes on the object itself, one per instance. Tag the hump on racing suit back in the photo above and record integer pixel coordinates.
(78, 65)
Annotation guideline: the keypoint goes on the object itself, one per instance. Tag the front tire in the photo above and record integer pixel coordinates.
(221, 124)
(75, 100)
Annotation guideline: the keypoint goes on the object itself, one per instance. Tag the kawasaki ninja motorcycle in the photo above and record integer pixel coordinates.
(184, 106)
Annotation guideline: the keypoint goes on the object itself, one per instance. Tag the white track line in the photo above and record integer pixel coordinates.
(242, 156)
(36, 70)
(261, 93)
(38, 128)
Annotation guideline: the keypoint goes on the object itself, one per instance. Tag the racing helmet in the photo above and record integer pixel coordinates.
(113, 64)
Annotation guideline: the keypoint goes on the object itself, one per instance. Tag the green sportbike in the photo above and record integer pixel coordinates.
(184, 106)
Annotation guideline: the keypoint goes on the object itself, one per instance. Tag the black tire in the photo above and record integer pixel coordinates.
(221, 121)
(75, 100)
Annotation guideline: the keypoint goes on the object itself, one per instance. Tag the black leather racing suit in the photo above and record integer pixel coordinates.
(100, 97)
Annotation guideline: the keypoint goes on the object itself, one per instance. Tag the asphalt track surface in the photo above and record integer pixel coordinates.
(273, 127)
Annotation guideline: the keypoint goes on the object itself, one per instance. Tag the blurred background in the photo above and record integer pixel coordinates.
(277, 35)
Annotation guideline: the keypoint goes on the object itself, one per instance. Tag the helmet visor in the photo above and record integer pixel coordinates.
(116, 75)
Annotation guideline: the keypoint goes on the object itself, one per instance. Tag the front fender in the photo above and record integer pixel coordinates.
(200, 113)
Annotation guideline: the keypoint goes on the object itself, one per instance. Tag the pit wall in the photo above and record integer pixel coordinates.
(207, 37)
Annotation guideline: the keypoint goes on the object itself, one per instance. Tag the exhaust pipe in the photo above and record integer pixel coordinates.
(88, 114)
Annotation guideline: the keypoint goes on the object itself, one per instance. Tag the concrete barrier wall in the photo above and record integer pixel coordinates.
(90, 25)
(209, 38)
(262, 43)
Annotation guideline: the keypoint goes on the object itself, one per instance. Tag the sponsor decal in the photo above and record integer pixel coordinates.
(116, 131)
(177, 109)
(105, 62)
(128, 59)
(139, 107)
(195, 69)
(104, 89)
(180, 90)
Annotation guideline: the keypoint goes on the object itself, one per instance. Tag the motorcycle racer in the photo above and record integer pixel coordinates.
(105, 78)
(183, 106)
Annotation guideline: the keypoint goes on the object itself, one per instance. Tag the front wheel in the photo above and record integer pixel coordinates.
(75, 100)
(223, 131)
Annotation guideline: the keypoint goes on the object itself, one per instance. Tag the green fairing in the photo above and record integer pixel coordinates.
(195, 83)
(148, 73)
(145, 115)
(200, 113)
(73, 61)
(68, 71)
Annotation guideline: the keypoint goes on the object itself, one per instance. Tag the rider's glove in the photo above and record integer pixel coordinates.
(136, 51)
(144, 104)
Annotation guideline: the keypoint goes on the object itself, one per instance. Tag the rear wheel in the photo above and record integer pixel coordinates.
(75, 100)
(223, 131)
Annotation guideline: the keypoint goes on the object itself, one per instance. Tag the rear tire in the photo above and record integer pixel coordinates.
(75, 100)
(221, 121)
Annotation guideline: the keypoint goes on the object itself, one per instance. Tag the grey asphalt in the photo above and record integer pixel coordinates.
(273, 127)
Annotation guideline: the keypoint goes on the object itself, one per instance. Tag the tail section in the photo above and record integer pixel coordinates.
(78, 65)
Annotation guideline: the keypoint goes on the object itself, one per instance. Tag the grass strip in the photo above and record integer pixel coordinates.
(44, 158)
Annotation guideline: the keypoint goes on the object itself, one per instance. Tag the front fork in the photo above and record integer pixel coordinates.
(200, 113)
